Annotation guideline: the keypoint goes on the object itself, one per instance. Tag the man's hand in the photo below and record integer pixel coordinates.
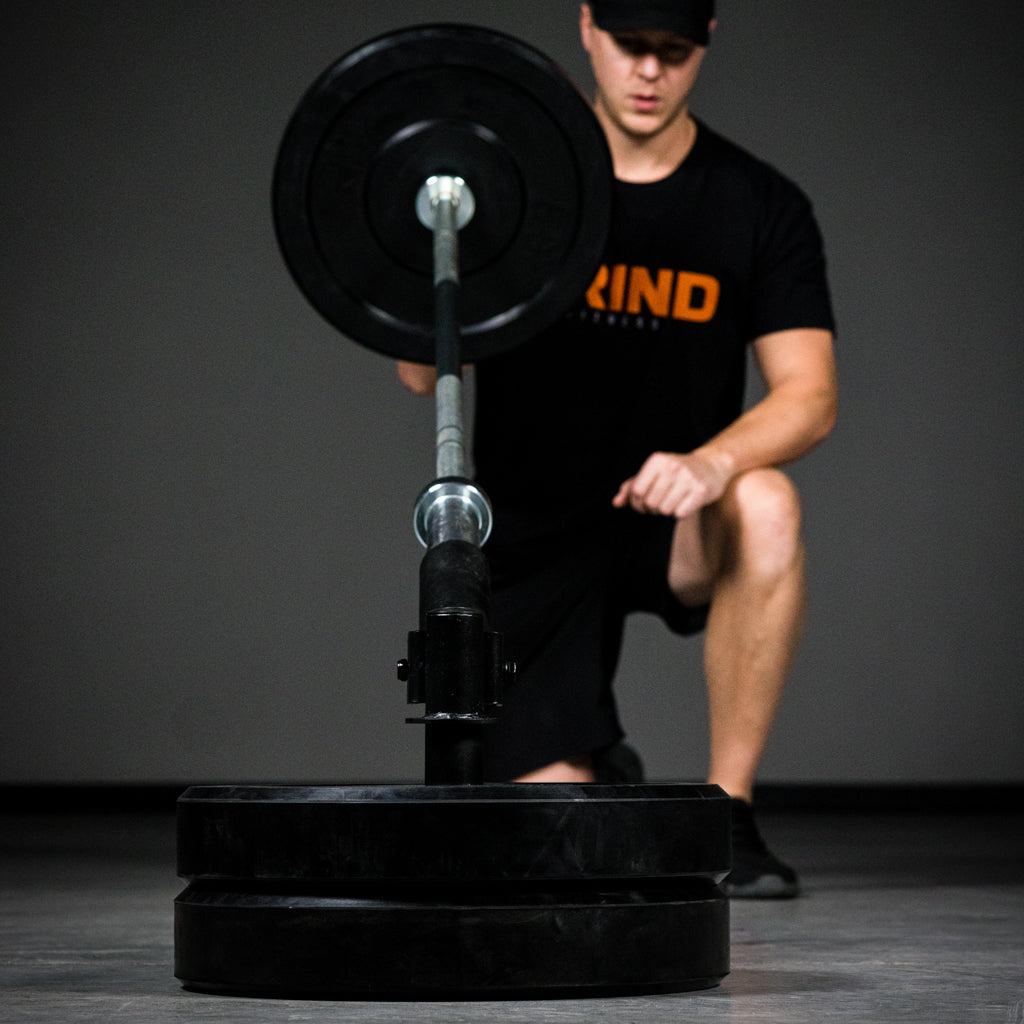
(417, 378)
(670, 484)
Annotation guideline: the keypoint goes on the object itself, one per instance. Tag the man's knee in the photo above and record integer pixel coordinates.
(762, 509)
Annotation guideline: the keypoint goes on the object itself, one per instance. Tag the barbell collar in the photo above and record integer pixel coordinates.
(452, 509)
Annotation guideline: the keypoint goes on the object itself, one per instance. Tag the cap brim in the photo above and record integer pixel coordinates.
(688, 28)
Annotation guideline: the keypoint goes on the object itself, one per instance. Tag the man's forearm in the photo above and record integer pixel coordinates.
(794, 417)
(785, 425)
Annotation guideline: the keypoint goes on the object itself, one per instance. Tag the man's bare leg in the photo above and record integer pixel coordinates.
(748, 558)
(745, 555)
(576, 769)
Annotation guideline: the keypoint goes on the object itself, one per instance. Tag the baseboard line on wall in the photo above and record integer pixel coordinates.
(837, 797)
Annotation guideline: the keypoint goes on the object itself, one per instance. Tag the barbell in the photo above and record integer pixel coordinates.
(442, 194)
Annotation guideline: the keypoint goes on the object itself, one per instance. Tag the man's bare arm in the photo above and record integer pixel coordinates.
(796, 414)
(419, 378)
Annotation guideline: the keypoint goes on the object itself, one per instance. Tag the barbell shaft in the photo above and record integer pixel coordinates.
(451, 456)
(452, 508)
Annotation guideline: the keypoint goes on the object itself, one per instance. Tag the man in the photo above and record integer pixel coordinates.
(623, 471)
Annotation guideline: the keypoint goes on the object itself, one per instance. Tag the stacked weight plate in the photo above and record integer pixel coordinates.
(457, 891)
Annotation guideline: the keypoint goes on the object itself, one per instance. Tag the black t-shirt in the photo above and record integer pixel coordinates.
(653, 356)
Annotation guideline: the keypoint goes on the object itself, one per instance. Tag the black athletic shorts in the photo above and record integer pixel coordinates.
(561, 606)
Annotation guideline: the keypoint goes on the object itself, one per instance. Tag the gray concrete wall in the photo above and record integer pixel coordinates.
(208, 567)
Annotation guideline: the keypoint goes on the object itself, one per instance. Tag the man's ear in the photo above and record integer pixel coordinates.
(586, 25)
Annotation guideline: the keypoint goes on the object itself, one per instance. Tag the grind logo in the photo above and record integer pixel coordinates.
(637, 298)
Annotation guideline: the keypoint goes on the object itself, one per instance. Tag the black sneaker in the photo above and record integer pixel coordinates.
(756, 873)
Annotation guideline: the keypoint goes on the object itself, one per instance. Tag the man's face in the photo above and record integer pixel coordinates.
(643, 77)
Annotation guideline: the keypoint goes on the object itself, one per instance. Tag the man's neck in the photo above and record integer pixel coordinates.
(641, 159)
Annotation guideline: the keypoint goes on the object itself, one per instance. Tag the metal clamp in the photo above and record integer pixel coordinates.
(452, 510)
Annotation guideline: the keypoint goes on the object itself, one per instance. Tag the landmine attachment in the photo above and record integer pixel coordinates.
(441, 194)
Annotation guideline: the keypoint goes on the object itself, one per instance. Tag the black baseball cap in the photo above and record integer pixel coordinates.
(687, 18)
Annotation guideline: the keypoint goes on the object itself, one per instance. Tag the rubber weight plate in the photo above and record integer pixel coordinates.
(442, 99)
(465, 944)
(464, 834)
(457, 891)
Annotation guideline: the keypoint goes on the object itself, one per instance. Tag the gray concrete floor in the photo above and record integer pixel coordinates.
(905, 918)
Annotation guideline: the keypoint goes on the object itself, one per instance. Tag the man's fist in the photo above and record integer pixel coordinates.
(670, 484)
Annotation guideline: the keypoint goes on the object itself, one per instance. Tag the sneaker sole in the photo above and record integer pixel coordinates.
(768, 887)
